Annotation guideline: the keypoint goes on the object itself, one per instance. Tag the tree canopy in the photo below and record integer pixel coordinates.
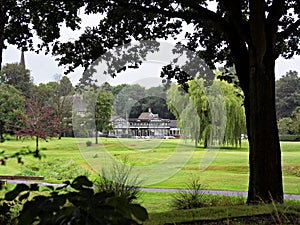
(38, 121)
(16, 75)
(20, 20)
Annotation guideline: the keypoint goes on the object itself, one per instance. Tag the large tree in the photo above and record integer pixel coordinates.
(248, 34)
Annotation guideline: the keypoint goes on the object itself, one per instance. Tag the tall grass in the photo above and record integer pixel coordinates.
(119, 179)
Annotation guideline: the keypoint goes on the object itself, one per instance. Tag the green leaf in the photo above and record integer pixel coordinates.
(139, 212)
(102, 196)
(81, 182)
(24, 196)
(34, 187)
(9, 196)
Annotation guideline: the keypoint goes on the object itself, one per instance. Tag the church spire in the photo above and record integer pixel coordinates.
(22, 60)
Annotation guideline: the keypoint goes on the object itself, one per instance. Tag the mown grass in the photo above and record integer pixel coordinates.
(227, 171)
(66, 158)
(277, 212)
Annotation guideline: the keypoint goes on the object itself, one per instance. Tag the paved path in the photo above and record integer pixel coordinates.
(214, 192)
(170, 190)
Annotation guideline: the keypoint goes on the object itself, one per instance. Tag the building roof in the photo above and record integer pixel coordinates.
(145, 116)
(116, 117)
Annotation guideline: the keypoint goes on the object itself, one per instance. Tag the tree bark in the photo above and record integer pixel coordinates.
(265, 182)
(36, 154)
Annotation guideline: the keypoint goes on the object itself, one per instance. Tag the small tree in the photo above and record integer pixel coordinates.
(103, 111)
(11, 103)
(16, 75)
(39, 122)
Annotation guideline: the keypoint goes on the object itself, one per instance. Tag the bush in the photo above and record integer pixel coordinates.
(9, 212)
(75, 203)
(289, 137)
(118, 179)
(88, 143)
(192, 197)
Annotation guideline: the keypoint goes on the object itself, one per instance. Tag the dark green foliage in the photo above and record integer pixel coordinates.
(11, 105)
(20, 20)
(75, 203)
(287, 94)
(289, 137)
(132, 100)
(8, 215)
(88, 143)
(16, 75)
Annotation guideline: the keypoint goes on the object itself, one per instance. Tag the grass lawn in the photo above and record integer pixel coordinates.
(226, 169)
(260, 214)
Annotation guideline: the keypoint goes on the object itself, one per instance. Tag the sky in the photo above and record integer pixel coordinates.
(44, 68)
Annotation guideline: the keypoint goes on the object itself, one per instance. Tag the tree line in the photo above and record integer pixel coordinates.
(26, 108)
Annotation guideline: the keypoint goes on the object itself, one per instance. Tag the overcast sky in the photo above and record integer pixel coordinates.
(43, 68)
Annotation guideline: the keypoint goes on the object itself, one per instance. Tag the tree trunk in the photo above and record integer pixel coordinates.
(265, 182)
(96, 137)
(36, 154)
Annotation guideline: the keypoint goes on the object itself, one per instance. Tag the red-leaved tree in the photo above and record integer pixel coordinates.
(39, 122)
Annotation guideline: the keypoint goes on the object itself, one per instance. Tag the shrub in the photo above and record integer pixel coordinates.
(54, 169)
(118, 179)
(9, 212)
(75, 203)
(88, 143)
(289, 137)
(192, 197)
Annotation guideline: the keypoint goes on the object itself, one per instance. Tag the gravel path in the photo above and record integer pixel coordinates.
(170, 190)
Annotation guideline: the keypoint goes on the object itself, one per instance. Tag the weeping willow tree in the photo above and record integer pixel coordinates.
(210, 115)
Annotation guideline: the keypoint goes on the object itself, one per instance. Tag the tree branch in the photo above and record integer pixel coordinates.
(275, 13)
(289, 30)
(234, 9)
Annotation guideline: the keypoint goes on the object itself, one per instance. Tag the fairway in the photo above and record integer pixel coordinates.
(160, 163)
